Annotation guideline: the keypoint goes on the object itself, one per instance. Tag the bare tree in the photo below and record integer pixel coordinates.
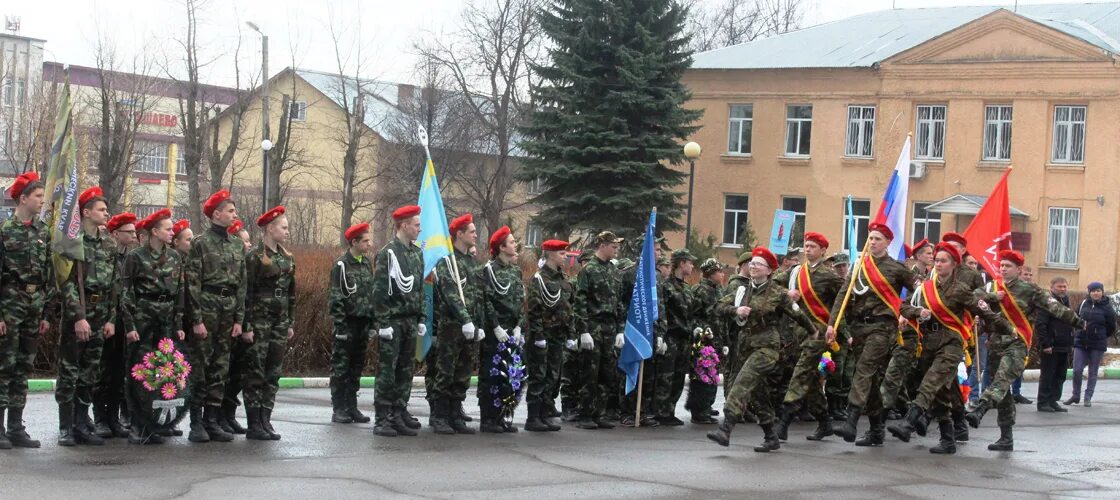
(718, 24)
(26, 120)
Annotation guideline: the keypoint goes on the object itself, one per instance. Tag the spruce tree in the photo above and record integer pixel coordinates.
(608, 118)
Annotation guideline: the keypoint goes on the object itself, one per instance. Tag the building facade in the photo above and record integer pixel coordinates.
(21, 62)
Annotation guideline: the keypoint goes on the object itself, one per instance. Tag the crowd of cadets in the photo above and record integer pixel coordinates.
(765, 329)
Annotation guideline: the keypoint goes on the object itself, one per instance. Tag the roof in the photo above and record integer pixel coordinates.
(377, 110)
(864, 40)
(965, 204)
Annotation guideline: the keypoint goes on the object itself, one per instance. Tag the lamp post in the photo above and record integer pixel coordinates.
(264, 115)
(692, 152)
(266, 146)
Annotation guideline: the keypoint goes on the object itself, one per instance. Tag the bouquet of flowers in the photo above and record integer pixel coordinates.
(164, 370)
(707, 365)
(508, 374)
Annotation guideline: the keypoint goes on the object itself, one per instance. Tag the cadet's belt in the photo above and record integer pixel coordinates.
(221, 291)
(93, 298)
(874, 319)
(158, 297)
(279, 293)
(25, 287)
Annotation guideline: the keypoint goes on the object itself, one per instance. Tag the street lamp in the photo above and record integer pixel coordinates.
(264, 115)
(692, 152)
(266, 146)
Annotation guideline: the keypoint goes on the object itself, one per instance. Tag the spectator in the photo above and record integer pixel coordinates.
(1054, 339)
(1089, 344)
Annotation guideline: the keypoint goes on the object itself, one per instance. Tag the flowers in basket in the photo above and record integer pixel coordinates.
(164, 370)
(707, 365)
(508, 372)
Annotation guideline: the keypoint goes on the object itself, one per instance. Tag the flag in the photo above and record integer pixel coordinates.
(892, 210)
(434, 239)
(642, 313)
(850, 231)
(990, 230)
(62, 191)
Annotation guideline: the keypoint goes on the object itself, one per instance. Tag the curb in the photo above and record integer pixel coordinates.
(47, 385)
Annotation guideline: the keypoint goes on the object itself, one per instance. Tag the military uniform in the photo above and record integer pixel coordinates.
(454, 352)
(571, 373)
(628, 403)
(672, 365)
(108, 393)
(504, 295)
(398, 303)
(270, 290)
(598, 312)
(548, 329)
(732, 363)
(904, 360)
(702, 395)
(350, 303)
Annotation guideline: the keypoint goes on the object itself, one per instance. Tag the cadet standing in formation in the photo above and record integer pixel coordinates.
(504, 296)
(673, 361)
(350, 302)
(705, 296)
(108, 393)
(599, 316)
(238, 349)
(549, 329)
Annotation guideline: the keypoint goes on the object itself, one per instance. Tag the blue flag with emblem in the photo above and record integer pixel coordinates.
(642, 313)
(434, 239)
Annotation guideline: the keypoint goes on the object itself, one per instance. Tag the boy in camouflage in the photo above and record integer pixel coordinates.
(548, 329)
(504, 299)
(599, 315)
(108, 393)
(350, 303)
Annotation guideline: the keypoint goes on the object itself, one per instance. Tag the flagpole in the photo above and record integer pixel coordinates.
(423, 134)
(638, 408)
(848, 294)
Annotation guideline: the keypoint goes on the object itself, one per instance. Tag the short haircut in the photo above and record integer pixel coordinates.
(1058, 279)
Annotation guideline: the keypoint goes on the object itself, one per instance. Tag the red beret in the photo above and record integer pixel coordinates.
(498, 238)
(1012, 257)
(179, 226)
(554, 245)
(356, 231)
(116, 221)
(766, 255)
(270, 215)
(150, 221)
(235, 227)
(89, 194)
(882, 229)
(406, 212)
(951, 250)
(460, 223)
(214, 201)
(817, 238)
(21, 183)
(920, 245)
(954, 238)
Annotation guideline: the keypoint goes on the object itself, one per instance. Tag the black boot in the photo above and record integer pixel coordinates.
(113, 417)
(352, 408)
(101, 421)
(947, 445)
(977, 414)
(533, 422)
(198, 432)
(960, 426)
(410, 421)
(398, 424)
(65, 424)
(921, 426)
(4, 443)
(83, 428)
(210, 416)
(381, 425)
(1005, 442)
(490, 425)
(341, 403)
(229, 412)
(848, 429)
(266, 422)
(568, 412)
(17, 433)
(722, 435)
(836, 408)
(135, 436)
(463, 414)
(455, 418)
(770, 440)
(256, 431)
(875, 434)
(431, 409)
(824, 428)
(903, 428)
(439, 421)
(785, 417)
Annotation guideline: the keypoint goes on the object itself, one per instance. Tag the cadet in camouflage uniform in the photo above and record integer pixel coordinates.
(350, 302)
(1007, 354)
(270, 291)
(732, 364)
(839, 383)
(705, 295)
(398, 312)
(805, 387)
(629, 402)
(504, 300)
(599, 316)
(238, 354)
(904, 359)
(25, 273)
(456, 332)
(672, 361)
(873, 325)
(548, 329)
(215, 277)
(571, 374)
(756, 307)
(89, 311)
(108, 392)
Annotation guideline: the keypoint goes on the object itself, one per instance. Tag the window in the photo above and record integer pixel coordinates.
(861, 212)
(734, 218)
(861, 131)
(926, 225)
(150, 157)
(739, 129)
(297, 111)
(21, 92)
(532, 235)
(931, 132)
(1069, 134)
(1061, 249)
(799, 128)
(537, 186)
(997, 132)
(796, 204)
(6, 92)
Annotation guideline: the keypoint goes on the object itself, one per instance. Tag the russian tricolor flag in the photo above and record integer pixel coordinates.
(892, 211)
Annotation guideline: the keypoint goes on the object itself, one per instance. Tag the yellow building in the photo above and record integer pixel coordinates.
(800, 121)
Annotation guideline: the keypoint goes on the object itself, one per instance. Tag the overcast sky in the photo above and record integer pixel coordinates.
(299, 30)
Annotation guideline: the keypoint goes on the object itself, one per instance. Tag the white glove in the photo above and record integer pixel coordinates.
(517, 335)
(385, 333)
(468, 330)
(542, 343)
(585, 342)
(421, 329)
(479, 334)
(696, 332)
(570, 344)
(661, 346)
(619, 341)
(501, 335)
(726, 350)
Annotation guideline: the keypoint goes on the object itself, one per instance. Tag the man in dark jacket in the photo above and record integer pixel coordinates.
(1054, 339)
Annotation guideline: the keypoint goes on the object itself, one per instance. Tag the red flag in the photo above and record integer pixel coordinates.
(990, 230)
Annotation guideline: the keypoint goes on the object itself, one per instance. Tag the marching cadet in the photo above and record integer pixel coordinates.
(270, 289)
(1018, 302)
(672, 362)
(227, 419)
(350, 303)
(571, 374)
(25, 272)
(757, 307)
(599, 316)
(548, 329)
(108, 394)
(398, 311)
(215, 274)
(504, 299)
(706, 294)
(731, 364)
(456, 333)
(904, 358)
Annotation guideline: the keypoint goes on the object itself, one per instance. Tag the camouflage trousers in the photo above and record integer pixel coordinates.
(453, 362)
(872, 344)
(805, 384)
(543, 365)
(21, 312)
(238, 363)
(108, 393)
(571, 379)
(599, 369)
(732, 363)
(750, 390)
(942, 353)
(396, 364)
(670, 369)
(210, 356)
(348, 356)
(79, 364)
(1006, 362)
(904, 360)
(839, 383)
(264, 363)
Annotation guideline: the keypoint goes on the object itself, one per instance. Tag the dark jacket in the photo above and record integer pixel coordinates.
(1101, 319)
(1052, 332)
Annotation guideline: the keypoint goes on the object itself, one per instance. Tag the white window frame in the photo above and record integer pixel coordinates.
(862, 221)
(1066, 133)
(536, 186)
(300, 111)
(533, 235)
(1062, 236)
(998, 143)
(734, 243)
(7, 92)
(861, 129)
(150, 157)
(795, 127)
(735, 127)
(925, 233)
(928, 129)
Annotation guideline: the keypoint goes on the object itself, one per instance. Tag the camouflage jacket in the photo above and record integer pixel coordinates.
(26, 263)
(826, 283)
(868, 304)
(504, 293)
(769, 302)
(152, 285)
(678, 307)
(448, 305)
(1031, 299)
(270, 287)
(959, 298)
(100, 277)
(705, 296)
(216, 265)
(549, 314)
(398, 286)
(598, 302)
(969, 276)
(351, 289)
